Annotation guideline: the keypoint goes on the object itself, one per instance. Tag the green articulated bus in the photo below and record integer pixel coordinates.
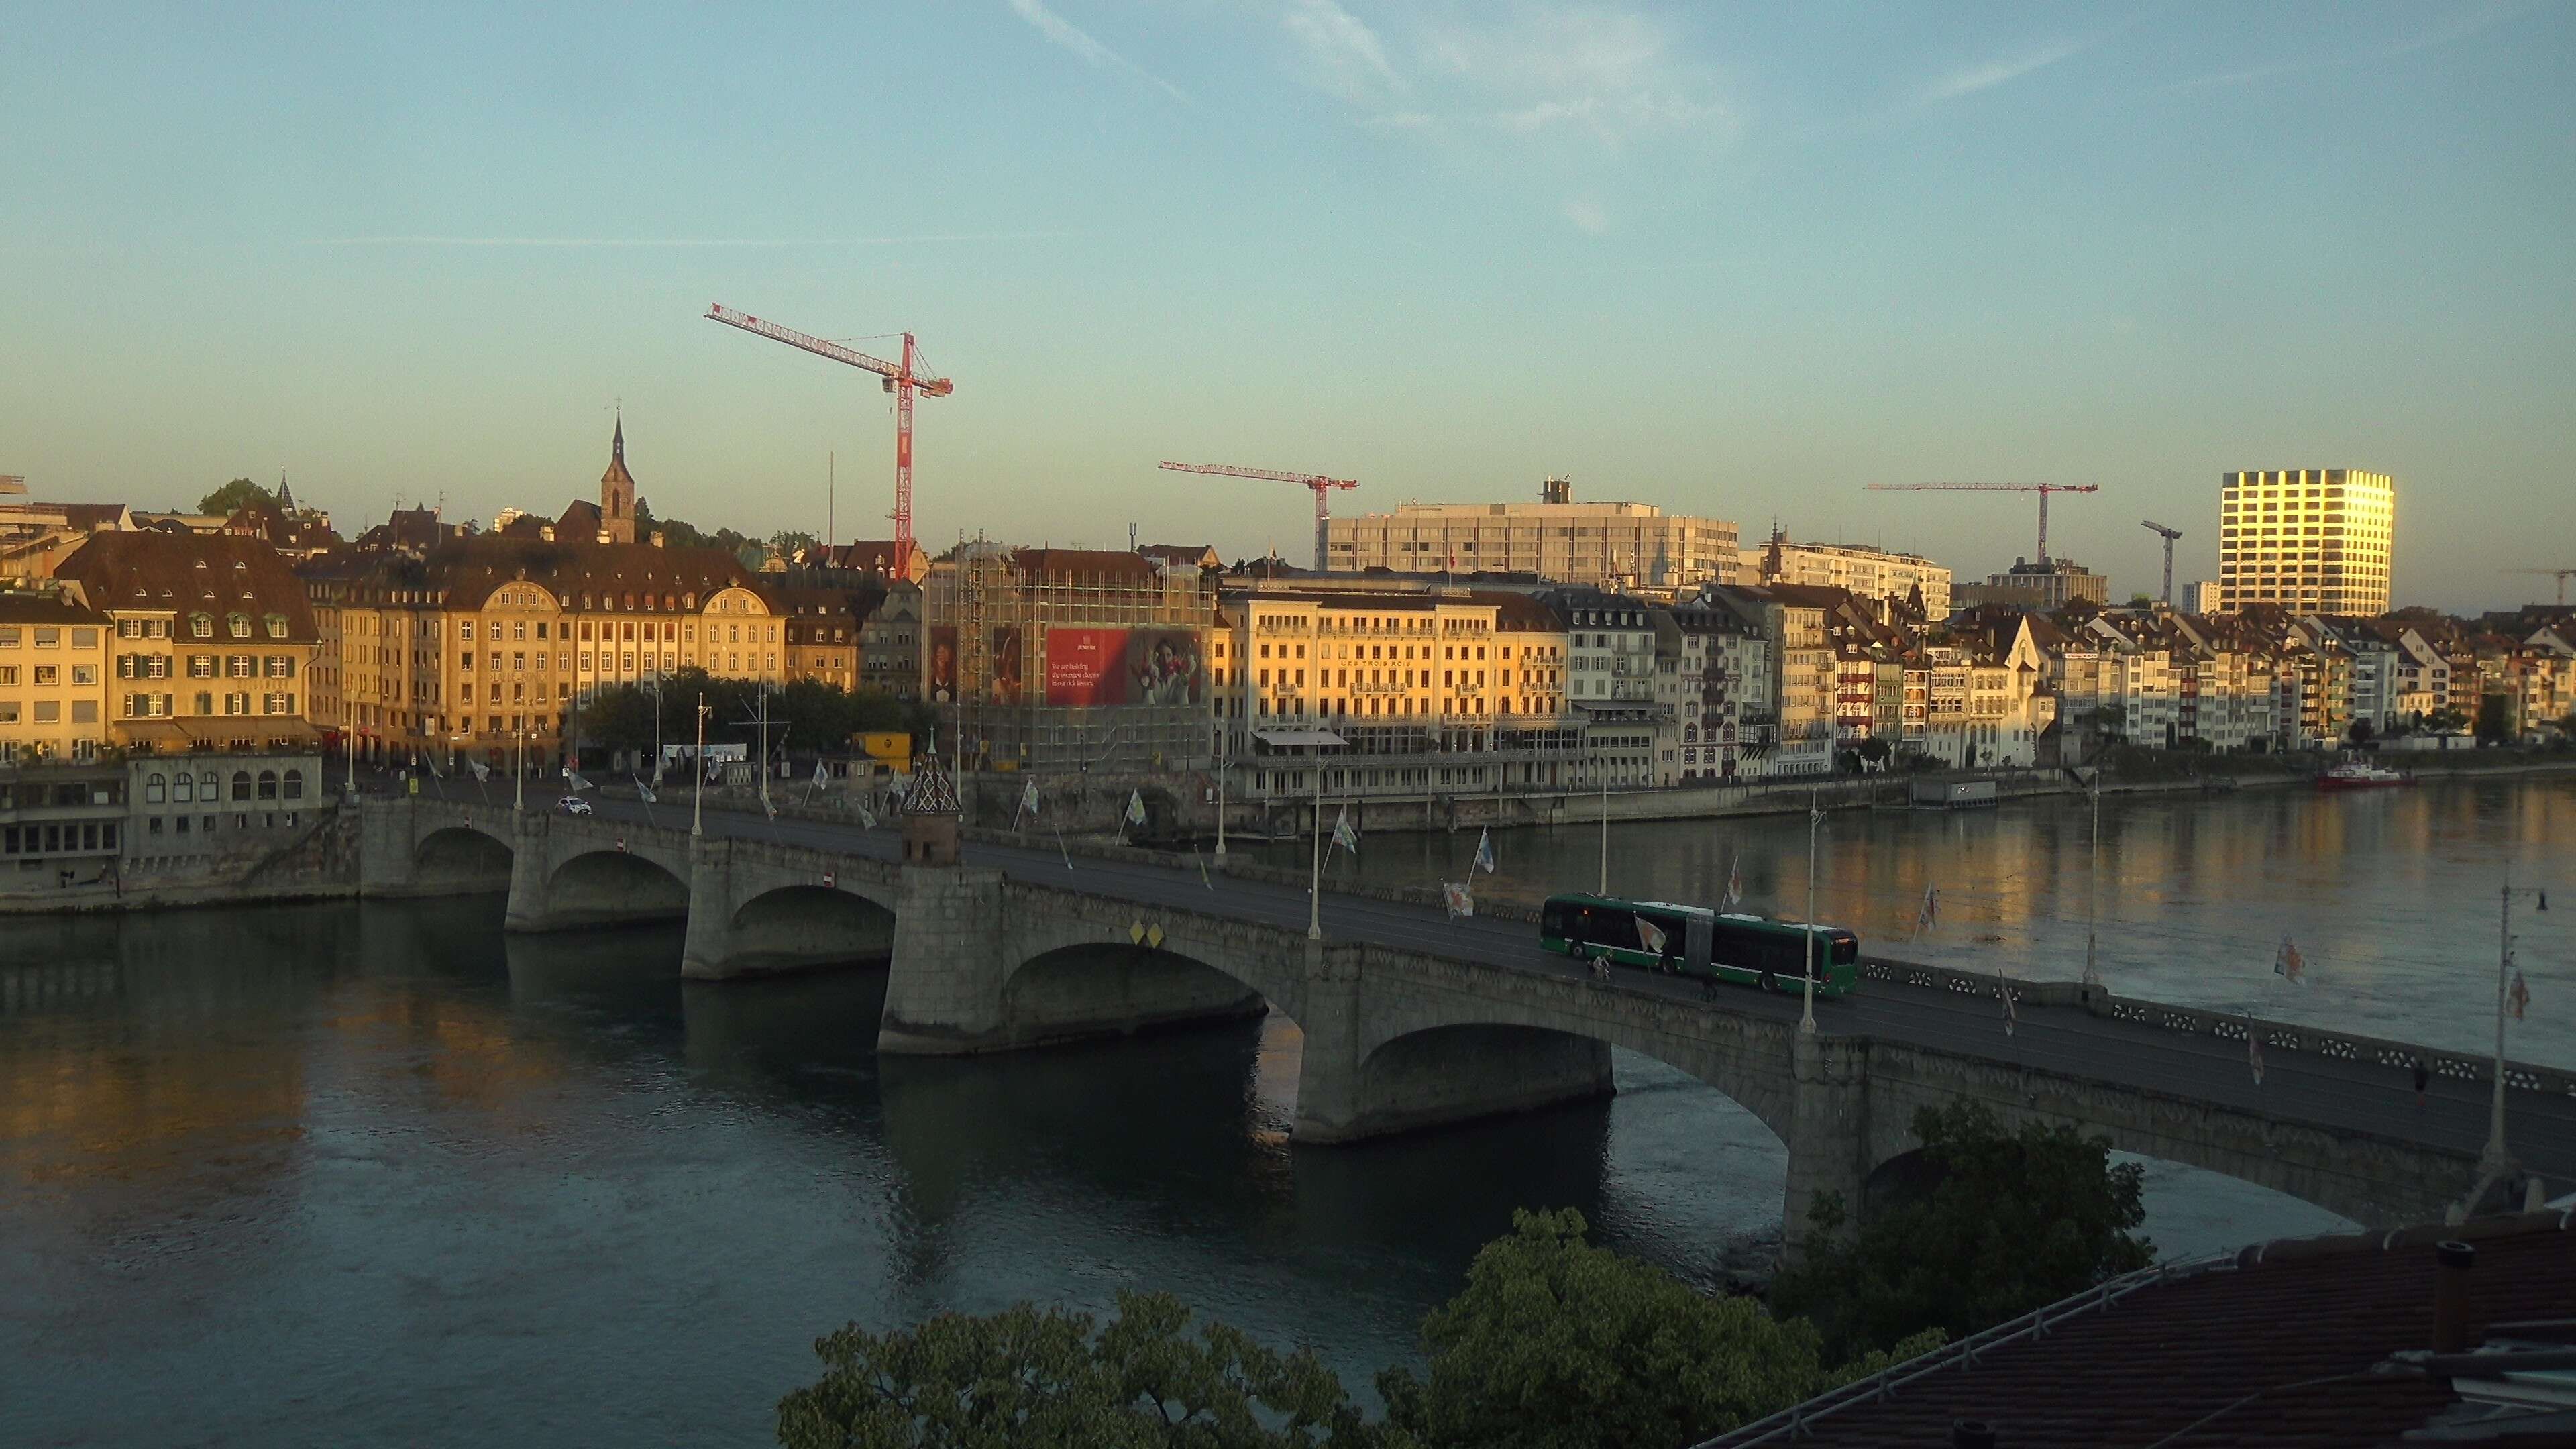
(1698, 942)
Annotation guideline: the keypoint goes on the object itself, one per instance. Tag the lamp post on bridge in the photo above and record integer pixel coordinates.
(2496, 1163)
(1315, 880)
(698, 791)
(1807, 928)
(519, 775)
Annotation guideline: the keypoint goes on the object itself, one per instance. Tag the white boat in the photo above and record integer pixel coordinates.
(2361, 775)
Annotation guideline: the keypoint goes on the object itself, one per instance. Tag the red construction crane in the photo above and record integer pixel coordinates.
(1323, 491)
(902, 379)
(2042, 489)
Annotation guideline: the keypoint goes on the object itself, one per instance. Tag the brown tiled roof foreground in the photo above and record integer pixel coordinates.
(2129, 1374)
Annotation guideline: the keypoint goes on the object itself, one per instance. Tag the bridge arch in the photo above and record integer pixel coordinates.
(460, 854)
(610, 887)
(1090, 988)
(806, 924)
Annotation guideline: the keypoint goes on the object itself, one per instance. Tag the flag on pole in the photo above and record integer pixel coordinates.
(2092, 968)
(1345, 835)
(867, 817)
(1931, 910)
(1135, 805)
(1029, 798)
(1484, 854)
(481, 770)
(574, 782)
(770, 808)
(2011, 1018)
(2254, 1052)
(822, 776)
(645, 793)
(1651, 936)
(2288, 964)
(1735, 881)
(2519, 997)
(1453, 894)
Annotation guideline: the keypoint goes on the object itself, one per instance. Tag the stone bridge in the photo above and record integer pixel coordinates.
(984, 958)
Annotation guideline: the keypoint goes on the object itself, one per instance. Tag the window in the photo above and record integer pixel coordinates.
(241, 784)
(156, 789)
(237, 625)
(8, 673)
(294, 784)
(49, 674)
(277, 626)
(201, 666)
(84, 711)
(49, 711)
(84, 674)
(268, 784)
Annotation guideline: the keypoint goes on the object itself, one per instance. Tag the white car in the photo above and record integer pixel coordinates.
(574, 805)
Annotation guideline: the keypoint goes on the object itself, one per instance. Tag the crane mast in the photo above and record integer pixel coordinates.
(2562, 575)
(2170, 534)
(902, 379)
(1323, 487)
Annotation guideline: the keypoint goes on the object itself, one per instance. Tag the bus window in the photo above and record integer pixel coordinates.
(1846, 951)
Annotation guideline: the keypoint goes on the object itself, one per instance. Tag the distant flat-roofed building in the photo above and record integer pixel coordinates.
(1868, 572)
(1597, 545)
(2311, 540)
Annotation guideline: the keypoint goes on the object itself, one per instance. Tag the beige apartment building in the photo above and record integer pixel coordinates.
(213, 642)
(1866, 572)
(53, 671)
(1618, 546)
(2308, 540)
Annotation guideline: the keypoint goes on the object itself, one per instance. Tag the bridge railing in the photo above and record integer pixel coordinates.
(2224, 1025)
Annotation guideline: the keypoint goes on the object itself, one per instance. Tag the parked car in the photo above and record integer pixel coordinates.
(574, 805)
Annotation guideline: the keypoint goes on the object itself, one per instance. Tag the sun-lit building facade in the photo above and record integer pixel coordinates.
(2309, 540)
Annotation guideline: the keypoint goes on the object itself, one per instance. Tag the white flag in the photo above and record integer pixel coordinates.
(645, 793)
(867, 817)
(1931, 910)
(574, 782)
(1345, 835)
(1453, 894)
(481, 770)
(770, 808)
(1029, 798)
(1735, 881)
(1135, 807)
(822, 776)
(2012, 1019)
(1484, 853)
(2288, 963)
(1651, 936)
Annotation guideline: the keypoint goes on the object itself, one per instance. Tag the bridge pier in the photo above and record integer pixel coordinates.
(1828, 1136)
(530, 875)
(386, 841)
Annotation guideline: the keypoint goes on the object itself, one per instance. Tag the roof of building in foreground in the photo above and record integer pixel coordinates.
(2299, 1342)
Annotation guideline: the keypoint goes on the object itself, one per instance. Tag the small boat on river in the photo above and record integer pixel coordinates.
(2362, 775)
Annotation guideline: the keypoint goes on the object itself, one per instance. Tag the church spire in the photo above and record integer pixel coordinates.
(617, 442)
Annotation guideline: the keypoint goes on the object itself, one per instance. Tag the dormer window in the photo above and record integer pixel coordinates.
(237, 625)
(201, 626)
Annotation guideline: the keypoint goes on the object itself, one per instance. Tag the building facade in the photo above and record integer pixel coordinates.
(1868, 572)
(2306, 540)
(2051, 583)
(214, 641)
(53, 677)
(1599, 545)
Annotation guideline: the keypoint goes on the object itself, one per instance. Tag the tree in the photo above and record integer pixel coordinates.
(234, 497)
(1558, 1344)
(2446, 721)
(2011, 1221)
(2493, 725)
(1023, 1377)
(2360, 733)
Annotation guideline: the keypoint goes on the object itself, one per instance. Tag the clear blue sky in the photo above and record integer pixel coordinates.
(1732, 259)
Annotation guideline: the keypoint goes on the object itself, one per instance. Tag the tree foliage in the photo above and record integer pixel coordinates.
(1559, 1344)
(235, 496)
(2012, 1221)
(1023, 1377)
(2494, 724)
(805, 718)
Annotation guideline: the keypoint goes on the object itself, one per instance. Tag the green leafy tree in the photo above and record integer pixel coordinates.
(235, 496)
(1559, 1344)
(2360, 732)
(2011, 1221)
(2446, 721)
(1022, 1377)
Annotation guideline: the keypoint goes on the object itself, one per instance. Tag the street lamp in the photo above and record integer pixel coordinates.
(519, 776)
(1315, 881)
(1224, 757)
(698, 792)
(1807, 985)
(2496, 1163)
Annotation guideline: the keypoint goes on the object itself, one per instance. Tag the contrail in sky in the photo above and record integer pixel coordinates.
(628, 241)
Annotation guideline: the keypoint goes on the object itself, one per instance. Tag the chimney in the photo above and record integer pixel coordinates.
(657, 538)
(1972, 1434)
(2453, 1261)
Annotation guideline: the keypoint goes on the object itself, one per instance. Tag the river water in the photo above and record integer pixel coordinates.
(378, 1175)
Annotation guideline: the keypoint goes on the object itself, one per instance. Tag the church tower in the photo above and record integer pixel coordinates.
(617, 491)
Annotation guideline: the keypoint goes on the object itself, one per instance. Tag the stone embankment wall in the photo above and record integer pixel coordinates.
(317, 861)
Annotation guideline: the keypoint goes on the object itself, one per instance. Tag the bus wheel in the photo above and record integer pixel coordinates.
(1770, 982)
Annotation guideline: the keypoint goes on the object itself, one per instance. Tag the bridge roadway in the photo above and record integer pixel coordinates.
(2344, 1096)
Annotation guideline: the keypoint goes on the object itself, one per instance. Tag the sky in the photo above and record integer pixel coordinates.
(1739, 260)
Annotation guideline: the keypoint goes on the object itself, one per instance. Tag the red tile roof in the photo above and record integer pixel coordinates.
(186, 573)
(2269, 1323)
